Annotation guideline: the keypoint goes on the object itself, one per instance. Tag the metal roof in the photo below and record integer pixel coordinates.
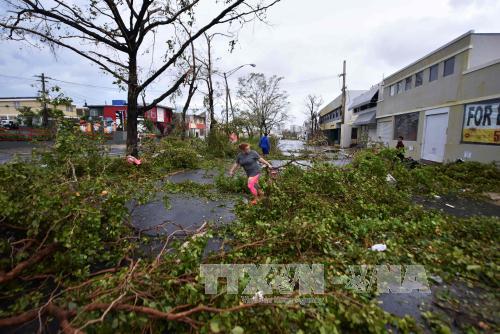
(337, 102)
(365, 98)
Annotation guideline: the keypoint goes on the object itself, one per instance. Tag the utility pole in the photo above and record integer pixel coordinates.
(230, 102)
(344, 95)
(227, 98)
(45, 114)
(228, 95)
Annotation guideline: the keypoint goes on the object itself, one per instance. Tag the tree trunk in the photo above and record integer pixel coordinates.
(132, 111)
(183, 123)
(213, 122)
(45, 117)
(312, 125)
(210, 86)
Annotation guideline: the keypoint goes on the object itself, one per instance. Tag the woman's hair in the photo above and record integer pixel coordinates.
(243, 146)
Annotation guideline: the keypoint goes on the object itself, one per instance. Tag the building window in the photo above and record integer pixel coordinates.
(399, 87)
(419, 78)
(392, 90)
(406, 125)
(408, 83)
(433, 72)
(449, 66)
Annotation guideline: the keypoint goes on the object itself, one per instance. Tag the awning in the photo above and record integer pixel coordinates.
(365, 119)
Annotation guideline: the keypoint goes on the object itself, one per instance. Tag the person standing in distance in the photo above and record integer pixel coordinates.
(265, 145)
(401, 148)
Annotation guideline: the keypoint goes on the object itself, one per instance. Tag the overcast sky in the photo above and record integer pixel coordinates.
(305, 42)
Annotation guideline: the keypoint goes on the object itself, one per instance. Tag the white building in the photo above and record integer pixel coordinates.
(330, 119)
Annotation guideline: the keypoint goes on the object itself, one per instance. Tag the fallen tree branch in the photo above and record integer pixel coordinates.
(171, 316)
(61, 315)
(16, 271)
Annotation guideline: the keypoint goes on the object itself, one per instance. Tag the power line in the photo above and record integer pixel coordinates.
(310, 80)
(15, 77)
(75, 83)
(86, 85)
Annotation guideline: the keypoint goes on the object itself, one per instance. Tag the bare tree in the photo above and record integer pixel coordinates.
(207, 77)
(263, 100)
(312, 103)
(115, 34)
(245, 122)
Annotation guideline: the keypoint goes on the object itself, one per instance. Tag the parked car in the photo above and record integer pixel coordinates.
(7, 124)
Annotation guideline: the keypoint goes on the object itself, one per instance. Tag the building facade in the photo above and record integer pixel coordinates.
(10, 106)
(116, 113)
(331, 120)
(446, 104)
(196, 126)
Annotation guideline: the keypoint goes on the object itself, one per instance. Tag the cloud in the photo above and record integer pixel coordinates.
(468, 3)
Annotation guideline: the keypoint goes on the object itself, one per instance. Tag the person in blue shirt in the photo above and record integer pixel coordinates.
(264, 144)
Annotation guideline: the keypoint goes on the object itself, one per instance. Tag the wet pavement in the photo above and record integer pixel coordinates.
(457, 303)
(200, 176)
(459, 206)
(289, 147)
(183, 216)
(403, 304)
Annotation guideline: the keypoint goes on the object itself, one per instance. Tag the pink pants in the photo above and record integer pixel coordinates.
(253, 184)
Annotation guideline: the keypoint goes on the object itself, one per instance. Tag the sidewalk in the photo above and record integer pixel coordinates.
(9, 149)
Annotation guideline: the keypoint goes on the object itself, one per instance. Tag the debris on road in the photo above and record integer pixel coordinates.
(379, 247)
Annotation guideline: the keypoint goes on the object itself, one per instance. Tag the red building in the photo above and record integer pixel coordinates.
(117, 113)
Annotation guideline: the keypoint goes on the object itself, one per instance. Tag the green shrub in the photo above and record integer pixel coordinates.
(172, 153)
(235, 184)
(218, 144)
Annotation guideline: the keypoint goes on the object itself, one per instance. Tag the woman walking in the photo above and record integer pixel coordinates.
(249, 160)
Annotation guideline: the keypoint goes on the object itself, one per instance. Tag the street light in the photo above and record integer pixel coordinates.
(228, 95)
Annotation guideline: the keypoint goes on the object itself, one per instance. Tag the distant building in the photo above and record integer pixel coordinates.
(330, 119)
(446, 105)
(10, 106)
(82, 111)
(196, 124)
